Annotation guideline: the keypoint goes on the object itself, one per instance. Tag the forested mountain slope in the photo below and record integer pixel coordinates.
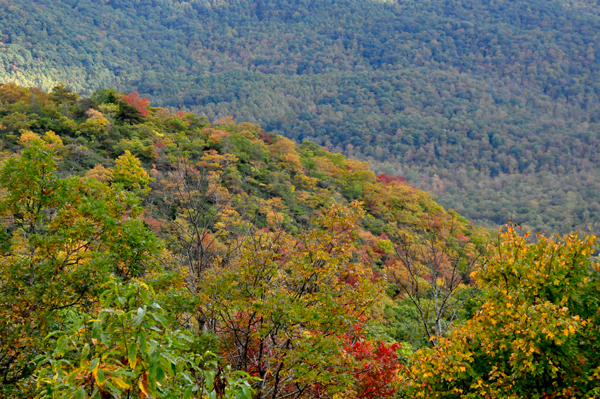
(149, 253)
(280, 259)
(491, 105)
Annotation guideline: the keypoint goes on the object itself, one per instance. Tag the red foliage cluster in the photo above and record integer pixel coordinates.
(266, 137)
(140, 103)
(375, 376)
(385, 179)
(351, 280)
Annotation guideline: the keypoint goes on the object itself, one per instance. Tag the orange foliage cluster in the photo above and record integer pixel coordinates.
(140, 103)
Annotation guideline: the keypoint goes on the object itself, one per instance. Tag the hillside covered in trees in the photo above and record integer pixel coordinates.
(153, 254)
(491, 105)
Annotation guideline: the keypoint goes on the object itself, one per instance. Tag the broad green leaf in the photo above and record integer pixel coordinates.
(132, 354)
(85, 351)
(94, 364)
(141, 312)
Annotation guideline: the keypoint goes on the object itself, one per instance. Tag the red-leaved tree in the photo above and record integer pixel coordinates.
(373, 367)
(377, 370)
(385, 179)
(140, 103)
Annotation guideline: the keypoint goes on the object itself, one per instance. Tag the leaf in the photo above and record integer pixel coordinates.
(143, 387)
(105, 339)
(169, 358)
(132, 354)
(121, 383)
(247, 391)
(160, 318)
(94, 364)
(143, 345)
(141, 312)
(60, 346)
(80, 394)
(85, 351)
(108, 300)
(209, 376)
(101, 377)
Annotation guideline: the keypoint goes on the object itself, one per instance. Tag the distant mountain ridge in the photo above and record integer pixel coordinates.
(494, 106)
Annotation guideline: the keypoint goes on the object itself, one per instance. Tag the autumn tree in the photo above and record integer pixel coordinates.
(431, 271)
(129, 174)
(140, 103)
(283, 307)
(536, 334)
(200, 217)
(61, 238)
(375, 368)
(96, 126)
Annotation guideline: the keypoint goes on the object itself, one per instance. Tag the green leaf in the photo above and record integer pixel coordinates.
(141, 312)
(105, 339)
(94, 364)
(160, 318)
(144, 295)
(132, 352)
(80, 394)
(188, 393)
(108, 300)
(209, 376)
(247, 392)
(169, 357)
(101, 376)
(143, 345)
(85, 351)
(153, 347)
(60, 346)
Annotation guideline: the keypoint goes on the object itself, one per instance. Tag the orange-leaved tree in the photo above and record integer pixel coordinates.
(140, 103)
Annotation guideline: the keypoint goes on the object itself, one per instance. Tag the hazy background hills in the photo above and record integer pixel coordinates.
(491, 105)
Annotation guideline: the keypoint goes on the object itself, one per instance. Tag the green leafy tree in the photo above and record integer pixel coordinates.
(129, 349)
(61, 238)
(61, 94)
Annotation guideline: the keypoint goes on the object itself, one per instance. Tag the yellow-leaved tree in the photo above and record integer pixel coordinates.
(536, 334)
(128, 173)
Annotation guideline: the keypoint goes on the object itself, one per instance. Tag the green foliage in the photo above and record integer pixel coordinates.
(128, 349)
(62, 238)
(61, 94)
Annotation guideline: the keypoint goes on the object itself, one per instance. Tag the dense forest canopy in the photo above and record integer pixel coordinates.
(147, 253)
(188, 248)
(492, 105)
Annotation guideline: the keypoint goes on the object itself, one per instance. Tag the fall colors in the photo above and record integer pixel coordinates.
(152, 254)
